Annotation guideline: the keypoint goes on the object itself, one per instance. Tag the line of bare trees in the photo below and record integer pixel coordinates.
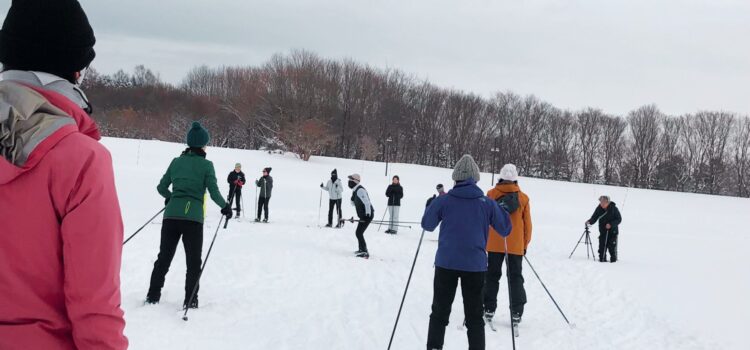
(309, 105)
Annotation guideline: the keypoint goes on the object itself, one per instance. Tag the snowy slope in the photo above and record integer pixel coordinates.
(681, 282)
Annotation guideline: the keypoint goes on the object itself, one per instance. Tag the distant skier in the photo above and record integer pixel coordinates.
(609, 221)
(508, 195)
(365, 212)
(465, 216)
(440, 192)
(265, 183)
(190, 175)
(236, 180)
(394, 192)
(335, 191)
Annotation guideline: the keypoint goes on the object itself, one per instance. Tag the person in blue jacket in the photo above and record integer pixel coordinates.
(464, 216)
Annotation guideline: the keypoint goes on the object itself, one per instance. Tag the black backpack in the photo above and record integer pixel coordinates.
(509, 202)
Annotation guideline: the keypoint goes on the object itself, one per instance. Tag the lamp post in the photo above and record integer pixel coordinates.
(387, 142)
(494, 151)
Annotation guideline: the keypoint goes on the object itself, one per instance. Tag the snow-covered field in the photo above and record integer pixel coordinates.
(682, 281)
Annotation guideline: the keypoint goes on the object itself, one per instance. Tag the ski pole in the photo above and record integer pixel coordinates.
(606, 242)
(382, 220)
(144, 225)
(393, 333)
(320, 205)
(243, 207)
(397, 222)
(231, 198)
(510, 297)
(195, 287)
(572, 325)
(255, 211)
(208, 254)
(372, 222)
(386, 221)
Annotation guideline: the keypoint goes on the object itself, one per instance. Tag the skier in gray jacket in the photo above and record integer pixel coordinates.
(335, 191)
(265, 184)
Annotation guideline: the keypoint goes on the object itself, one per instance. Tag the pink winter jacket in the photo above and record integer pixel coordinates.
(60, 226)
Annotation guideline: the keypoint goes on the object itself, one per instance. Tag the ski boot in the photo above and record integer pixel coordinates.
(340, 224)
(151, 300)
(364, 255)
(488, 315)
(265, 221)
(329, 225)
(515, 320)
(191, 305)
(257, 219)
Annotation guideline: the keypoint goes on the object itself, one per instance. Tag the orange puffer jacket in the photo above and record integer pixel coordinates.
(520, 236)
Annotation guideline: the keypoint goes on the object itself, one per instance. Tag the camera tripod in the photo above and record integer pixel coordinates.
(586, 239)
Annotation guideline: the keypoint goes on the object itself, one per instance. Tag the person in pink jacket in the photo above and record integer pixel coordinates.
(60, 225)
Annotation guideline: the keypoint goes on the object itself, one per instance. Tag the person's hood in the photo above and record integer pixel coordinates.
(466, 189)
(612, 204)
(33, 119)
(507, 188)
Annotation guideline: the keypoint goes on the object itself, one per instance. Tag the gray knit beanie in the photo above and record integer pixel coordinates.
(466, 168)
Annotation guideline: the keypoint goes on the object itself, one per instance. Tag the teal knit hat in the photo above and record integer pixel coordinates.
(197, 136)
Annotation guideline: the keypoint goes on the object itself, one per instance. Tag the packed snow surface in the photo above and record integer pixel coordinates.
(682, 281)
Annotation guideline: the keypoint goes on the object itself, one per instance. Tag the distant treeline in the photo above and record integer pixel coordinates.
(310, 105)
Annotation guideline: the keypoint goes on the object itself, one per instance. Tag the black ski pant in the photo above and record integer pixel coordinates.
(515, 278)
(237, 198)
(608, 242)
(263, 205)
(360, 233)
(191, 233)
(444, 289)
(333, 203)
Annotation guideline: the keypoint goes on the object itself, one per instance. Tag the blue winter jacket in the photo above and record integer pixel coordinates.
(465, 216)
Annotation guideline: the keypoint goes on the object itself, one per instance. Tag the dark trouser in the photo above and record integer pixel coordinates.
(611, 244)
(237, 198)
(192, 239)
(333, 203)
(361, 227)
(515, 278)
(444, 289)
(263, 205)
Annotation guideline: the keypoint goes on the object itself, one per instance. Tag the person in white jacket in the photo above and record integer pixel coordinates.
(335, 192)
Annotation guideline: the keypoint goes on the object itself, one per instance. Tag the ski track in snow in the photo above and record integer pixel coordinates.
(290, 284)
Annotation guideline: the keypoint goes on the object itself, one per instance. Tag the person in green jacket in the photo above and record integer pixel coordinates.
(190, 175)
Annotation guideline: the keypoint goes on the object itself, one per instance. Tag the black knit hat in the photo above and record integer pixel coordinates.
(47, 36)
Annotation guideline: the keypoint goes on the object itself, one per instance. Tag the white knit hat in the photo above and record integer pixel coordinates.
(509, 172)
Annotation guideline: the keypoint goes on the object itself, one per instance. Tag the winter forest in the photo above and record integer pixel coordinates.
(309, 105)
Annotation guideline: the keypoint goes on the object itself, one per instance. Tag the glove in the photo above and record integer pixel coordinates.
(166, 201)
(238, 183)
(227, 211)
(524, 252)
(321, 185)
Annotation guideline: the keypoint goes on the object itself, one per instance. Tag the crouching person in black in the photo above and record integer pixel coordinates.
(609, 221)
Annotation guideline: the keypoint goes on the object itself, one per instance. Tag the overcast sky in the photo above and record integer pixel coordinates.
(683, 55)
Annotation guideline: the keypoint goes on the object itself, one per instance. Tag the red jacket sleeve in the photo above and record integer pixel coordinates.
(92, 233)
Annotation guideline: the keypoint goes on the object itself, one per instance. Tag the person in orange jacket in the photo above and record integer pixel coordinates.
(510, 197)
